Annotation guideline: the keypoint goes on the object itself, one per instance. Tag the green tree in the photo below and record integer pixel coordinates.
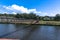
(57, 17)
(32, 16)
(17, 16)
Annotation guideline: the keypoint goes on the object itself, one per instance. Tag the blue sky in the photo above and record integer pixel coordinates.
(40, 7)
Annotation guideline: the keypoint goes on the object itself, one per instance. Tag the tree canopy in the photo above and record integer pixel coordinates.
(33, 16)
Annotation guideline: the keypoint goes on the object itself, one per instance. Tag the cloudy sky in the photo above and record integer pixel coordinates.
(39, 7)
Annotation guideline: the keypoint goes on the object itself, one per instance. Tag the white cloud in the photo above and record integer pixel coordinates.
(14, 12)
(20, 9)
(13, 9)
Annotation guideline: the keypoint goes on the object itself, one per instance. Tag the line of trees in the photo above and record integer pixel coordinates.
(36, 17)
(27, 16)
(33, 16)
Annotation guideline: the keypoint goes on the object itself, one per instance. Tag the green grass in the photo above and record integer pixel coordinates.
(40, 22)
(50, 22)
